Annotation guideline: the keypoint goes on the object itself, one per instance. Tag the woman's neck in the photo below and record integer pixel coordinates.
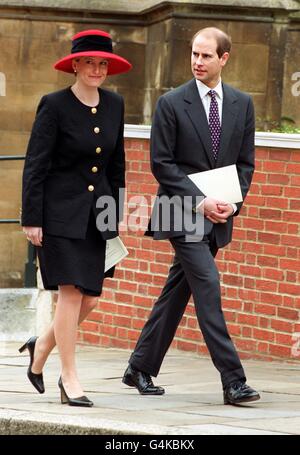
(87, 95)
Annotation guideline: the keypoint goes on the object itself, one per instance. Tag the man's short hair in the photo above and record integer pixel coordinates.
(223, 40)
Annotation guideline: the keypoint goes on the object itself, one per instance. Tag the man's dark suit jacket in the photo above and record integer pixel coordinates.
(60, 157)
(181, 145)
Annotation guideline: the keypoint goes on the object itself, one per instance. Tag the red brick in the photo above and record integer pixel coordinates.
(291, 216)
(274, 166)
(291, 277)
(286, 288)
(124, 297)
(293, 240)
(274, 226)
(281, 351)
(269, 189)
(280, 155)
(274, 250)
(294, 204)
(265, 309)
(283, 179)
(266, 285)
(273, 274)
(295, 180)
(249, 270)
(142, 301)
(107, 306)
(267, 237)
(253, 223)
(91, 338)
(290, 264)
(233, 304)
(292, 192)
(108, 330)
(293, 168)
(274, 299)
(127, 286)
(256, 200)
(122, 321)
(246, 345)
(232, 280)
(277, 203)
(286, 313)
(264, 322)
(186, 346)
(267, 261)
(247, 319)
(282, 326)
(281, 338)
(263, 334)
(263, 347)
(246, 332)
(270, 214)
(163, 257)
(246, 294)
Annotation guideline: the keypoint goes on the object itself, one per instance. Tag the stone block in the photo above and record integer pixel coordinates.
(247, 68)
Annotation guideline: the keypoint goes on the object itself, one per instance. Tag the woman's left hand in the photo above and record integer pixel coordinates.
(34, 234)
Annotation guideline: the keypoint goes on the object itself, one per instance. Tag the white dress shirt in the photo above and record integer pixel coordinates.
(206, 100)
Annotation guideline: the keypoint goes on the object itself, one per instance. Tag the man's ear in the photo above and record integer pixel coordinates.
(224, 58)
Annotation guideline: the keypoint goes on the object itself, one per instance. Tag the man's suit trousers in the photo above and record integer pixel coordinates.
(193, 272)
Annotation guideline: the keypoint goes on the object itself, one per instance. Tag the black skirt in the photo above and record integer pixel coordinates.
(65, 261)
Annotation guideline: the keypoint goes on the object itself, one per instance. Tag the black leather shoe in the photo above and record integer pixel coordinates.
(79, 401)
(35, 379)
(142, 381)
(239, 392)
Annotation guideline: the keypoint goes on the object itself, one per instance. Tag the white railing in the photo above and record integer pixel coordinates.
(262, 139)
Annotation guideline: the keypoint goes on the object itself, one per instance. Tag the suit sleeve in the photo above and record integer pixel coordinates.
(116, 169)
(246, 159)
(163, 164)
(37, 163)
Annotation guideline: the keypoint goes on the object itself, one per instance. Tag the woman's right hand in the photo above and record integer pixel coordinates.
(34, 234)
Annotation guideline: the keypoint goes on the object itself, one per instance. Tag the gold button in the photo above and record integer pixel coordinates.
(91, 188)
(94, 169)
(98, 150)
(97, 129)
(94, 110)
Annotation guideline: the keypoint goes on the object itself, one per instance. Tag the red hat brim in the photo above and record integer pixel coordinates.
(116, 64)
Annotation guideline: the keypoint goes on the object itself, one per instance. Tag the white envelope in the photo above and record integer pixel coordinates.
(115, 252)
(221, 183)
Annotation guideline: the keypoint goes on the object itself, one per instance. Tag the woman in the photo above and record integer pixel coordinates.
(75, 155)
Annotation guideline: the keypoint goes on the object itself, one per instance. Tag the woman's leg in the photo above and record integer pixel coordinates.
(46, 342)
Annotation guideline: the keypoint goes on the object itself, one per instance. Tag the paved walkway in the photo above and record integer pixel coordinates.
(192, 404)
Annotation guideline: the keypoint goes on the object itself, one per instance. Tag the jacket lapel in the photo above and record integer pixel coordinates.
(195, 110)
(229, 117)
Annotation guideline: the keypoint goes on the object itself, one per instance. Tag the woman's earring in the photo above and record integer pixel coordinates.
(75, 71)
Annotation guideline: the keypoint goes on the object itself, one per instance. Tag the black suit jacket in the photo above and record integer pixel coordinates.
(62, 163)
(181, 145)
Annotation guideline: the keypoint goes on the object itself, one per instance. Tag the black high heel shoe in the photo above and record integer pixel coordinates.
(35, 379)
(80, 401)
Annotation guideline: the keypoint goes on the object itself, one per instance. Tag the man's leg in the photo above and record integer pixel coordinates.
(163, 321)
(202, 275)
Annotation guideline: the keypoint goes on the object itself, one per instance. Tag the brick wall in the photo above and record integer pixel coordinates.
(260, 269)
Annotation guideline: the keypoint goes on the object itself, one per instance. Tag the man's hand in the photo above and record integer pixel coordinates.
(34, 234)
(217, 211)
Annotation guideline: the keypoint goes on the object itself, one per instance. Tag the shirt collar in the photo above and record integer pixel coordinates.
(203, 89)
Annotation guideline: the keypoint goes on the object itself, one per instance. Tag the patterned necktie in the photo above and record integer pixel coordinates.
(214, 123)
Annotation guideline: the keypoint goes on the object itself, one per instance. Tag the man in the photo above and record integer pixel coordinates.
(201, 125)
